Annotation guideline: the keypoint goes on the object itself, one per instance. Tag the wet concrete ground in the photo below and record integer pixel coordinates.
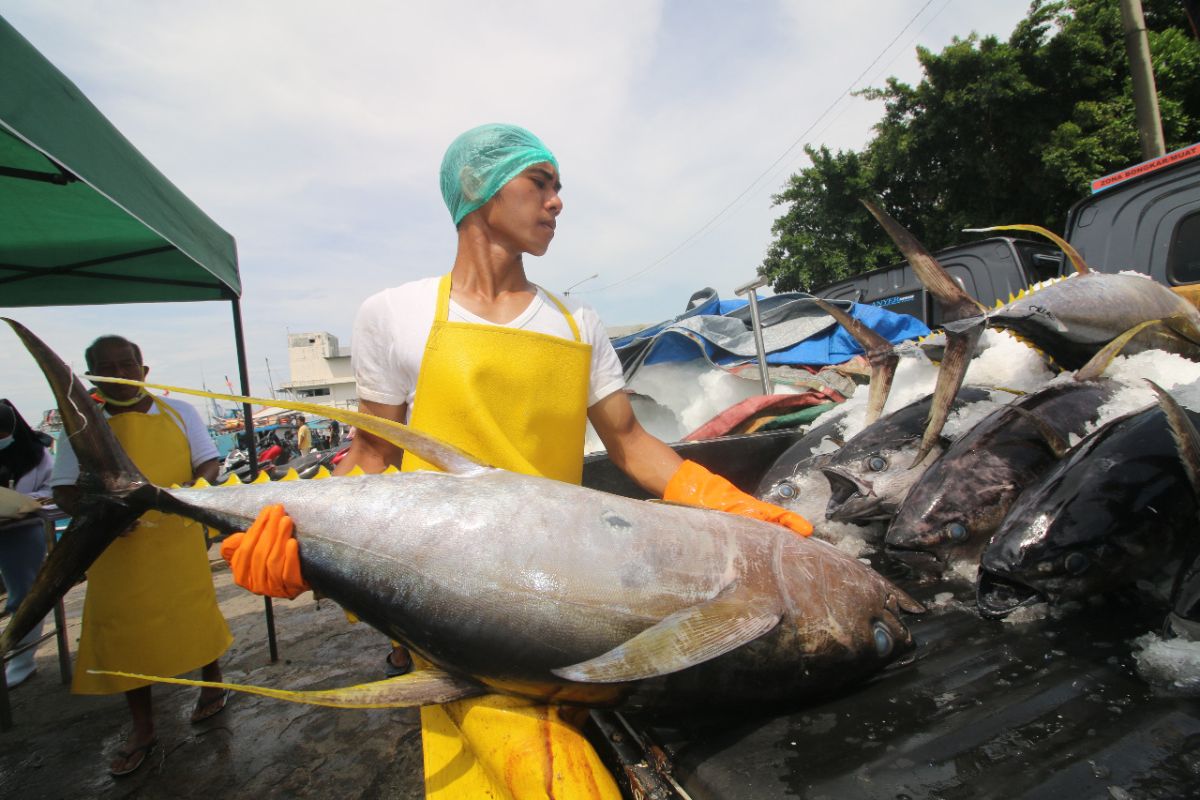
(61, 744)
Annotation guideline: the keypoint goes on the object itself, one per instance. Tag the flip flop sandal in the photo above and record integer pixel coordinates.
(141, 753)
(205, 711)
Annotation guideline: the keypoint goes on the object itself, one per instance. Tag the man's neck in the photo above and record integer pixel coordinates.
(141, 407)
(488, 280)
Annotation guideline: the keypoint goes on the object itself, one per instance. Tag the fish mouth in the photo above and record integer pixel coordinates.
(997, 596)
(844, 489)
(921, 561)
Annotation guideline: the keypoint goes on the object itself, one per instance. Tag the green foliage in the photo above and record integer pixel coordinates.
(996, 132)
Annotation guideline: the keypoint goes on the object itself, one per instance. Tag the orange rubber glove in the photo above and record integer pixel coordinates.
(694, 485)
(266, 558)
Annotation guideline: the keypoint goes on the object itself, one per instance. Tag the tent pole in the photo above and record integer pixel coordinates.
(251, 451)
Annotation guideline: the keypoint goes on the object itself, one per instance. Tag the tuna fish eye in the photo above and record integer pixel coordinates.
(883, 640)
(786, 490)
(957, 531)
(1076, 563)
(876, 463)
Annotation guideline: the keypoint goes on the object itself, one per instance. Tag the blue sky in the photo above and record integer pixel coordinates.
(313, 132)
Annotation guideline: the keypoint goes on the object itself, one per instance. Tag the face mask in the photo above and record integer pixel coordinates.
(5, 441)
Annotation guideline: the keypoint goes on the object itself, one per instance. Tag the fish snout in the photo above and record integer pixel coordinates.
(921, 561)
(997, 596)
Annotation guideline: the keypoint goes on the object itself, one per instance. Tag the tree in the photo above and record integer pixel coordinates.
(995, 132)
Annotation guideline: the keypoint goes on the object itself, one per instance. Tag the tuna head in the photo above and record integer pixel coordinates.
(871, 475)
(841, 622)
(873, 486)
(1117, 509)
(1046, 559)
(960, 501)
(950, 515)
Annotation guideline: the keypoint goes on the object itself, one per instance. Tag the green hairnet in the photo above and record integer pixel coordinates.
(480, 161)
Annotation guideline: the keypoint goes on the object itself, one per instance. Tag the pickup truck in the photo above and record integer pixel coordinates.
(1047, 708)
(1145, 218)
(989, 270)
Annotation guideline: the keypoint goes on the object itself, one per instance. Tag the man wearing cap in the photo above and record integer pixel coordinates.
(487, 360)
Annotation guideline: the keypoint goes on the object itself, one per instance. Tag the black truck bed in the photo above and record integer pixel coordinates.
(1045, 709)
(1051, 708)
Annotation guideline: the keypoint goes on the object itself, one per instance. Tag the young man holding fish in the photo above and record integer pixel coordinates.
(488, 361)
(150, 605)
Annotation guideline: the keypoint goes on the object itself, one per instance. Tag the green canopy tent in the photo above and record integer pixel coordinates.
(85, 219)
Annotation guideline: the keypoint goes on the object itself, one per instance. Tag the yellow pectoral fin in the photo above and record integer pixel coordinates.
(442, 455)
(688, 637)
(420, 688)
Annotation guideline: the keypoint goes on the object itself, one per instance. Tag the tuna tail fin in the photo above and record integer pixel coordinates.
(116, 491)
(957, 307)
(880, 354)
(420, 688)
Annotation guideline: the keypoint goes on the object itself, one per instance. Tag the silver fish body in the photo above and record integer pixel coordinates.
(1072, 319)
(506, 578)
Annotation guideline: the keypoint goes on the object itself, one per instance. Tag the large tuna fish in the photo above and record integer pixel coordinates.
(523, 585)
(954, 508)
(1118, 508)
(1072, 318)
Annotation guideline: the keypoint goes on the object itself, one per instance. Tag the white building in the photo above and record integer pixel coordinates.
(320, 371)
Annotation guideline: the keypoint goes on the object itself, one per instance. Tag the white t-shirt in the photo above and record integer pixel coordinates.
(66, 465)
(392, 327)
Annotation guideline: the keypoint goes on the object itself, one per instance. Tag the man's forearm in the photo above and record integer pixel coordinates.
(646, 459)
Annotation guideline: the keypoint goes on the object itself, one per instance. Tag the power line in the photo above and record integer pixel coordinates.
(703, 228)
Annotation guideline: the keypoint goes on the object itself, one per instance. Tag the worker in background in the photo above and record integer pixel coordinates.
(150, 606)
(485, 359)
(303, 437)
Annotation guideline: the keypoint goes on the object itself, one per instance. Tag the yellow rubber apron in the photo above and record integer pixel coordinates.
(518, 400)
(150, 605)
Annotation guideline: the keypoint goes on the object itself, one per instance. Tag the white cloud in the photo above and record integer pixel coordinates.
(313, 133)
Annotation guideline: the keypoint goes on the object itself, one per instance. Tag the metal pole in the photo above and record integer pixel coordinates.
(251, 451)
(755, 323)
(1145, 97)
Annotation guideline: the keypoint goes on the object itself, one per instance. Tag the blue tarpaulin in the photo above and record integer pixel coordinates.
(795, 332)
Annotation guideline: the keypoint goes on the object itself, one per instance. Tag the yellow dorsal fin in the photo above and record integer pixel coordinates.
(262, 477)
(232, 480)
(290, 475)
(1077, 261)
(321, 473)
(201, 484)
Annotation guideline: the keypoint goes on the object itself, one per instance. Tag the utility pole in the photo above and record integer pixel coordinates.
(1145, 96)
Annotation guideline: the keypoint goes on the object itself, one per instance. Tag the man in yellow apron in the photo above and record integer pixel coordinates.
(488, 361)
(150, 606)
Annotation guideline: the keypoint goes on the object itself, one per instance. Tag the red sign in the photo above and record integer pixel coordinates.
(1146, 166)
